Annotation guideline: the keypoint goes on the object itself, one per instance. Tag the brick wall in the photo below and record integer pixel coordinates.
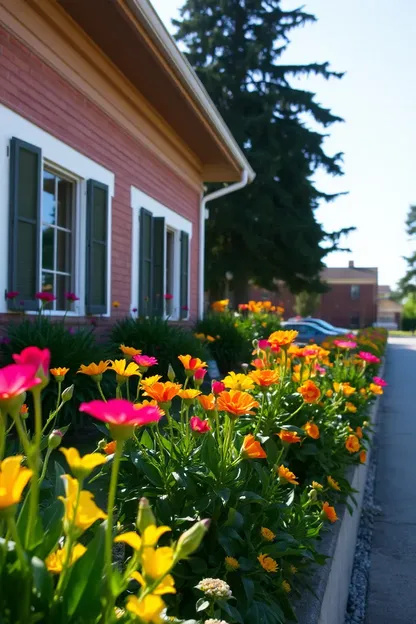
(37, 92)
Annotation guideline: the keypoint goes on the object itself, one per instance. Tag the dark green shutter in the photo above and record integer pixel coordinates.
(184, 277)
(158, 265)
(97, 248)
(145, 262)
(25, 217)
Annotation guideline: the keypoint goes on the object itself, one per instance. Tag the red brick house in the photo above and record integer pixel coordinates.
(106, 140)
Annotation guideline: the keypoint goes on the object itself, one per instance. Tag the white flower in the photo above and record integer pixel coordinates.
(215, 588)
(211, 621)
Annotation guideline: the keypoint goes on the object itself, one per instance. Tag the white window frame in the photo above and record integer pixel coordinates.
(71, 163)
(174, 222)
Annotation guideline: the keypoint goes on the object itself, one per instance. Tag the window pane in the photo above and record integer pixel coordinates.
(63, 285)
(48, 198)
(26, 266)
(28, 184)
(47, 282)
(48, 234)
(98, 286)
(63, 255)
(99, 223)
(65, 199)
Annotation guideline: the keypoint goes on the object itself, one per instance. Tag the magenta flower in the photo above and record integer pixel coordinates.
(46, 297)
(185, 308)
(275, 348)
(168, 297)
(12, 294)
(264, 344)
(39, 359)
(70, 296)
(380, 382)
(320, 369)
(144, 361)
(200, 373)
(16, 379)
(217, 387)
(350, 336)
(345, 344)
(121, 412)
(134, 310)
(198, 425)
(368, 357)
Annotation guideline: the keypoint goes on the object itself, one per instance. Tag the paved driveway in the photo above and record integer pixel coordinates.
(392, 590)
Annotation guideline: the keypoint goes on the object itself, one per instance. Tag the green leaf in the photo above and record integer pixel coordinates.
(42, 588)
(202, 604)
(53, 529)
(36, 535)
(146, 439)
(232, 612)
(248, 585)
(210, 454)
(150, 470)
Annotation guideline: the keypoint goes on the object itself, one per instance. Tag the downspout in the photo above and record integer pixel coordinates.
(231, 188)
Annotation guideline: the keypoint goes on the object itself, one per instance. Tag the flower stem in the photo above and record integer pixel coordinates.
(3, 433)
(45, 465)
(63, 579)
(58, 400)
(33, 458)
(110, 513)
(100, 390)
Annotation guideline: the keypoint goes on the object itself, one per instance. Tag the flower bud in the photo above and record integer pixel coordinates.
(191, 539)
(145, 516)
(199, 375)
(217, 387)
(67, 393)
(102, 444)
(171, 373)
(313, 495)
(55, 439)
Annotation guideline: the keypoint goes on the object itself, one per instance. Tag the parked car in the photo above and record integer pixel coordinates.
(321, 323)
(309, 332)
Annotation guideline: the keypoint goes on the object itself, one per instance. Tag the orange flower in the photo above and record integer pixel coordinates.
(252, 449)
(207, 402)
(110, 447)
(350, 407)
(149, 381)
(191, 364)
(258, 363)
(290, 437)
(129, 350)
(352, 444)
(333, 484)
(283, 338)
(189, 395)
(310, 392)
(146, 402)
(59, 373)
(236, 403)
(24, 410)
(264, 378)
(329, 512)
(363, 457)
(329, 393)
(344, 387)
(268, 563)
(287, 475)
(359, 432)
(94, 370)
(311, 430)
(163, 392)
(375, 389)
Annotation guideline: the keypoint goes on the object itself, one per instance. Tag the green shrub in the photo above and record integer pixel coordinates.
(257, 326)
(156, 337)
(230, 347)
(69, 348)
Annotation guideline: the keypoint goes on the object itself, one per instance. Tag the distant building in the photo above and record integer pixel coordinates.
(389, 312)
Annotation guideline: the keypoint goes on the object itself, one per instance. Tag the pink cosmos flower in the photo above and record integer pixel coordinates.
(217, 387)
(368, 357)
(264, 344)
(345, 344)
(39, 359)
(168, 297)
(12, 294)
(144, 361)
(46, 297)
(16, 379)
(70, 296)
(380, 382)
(198, 425)
(200, 373)
(121, 412)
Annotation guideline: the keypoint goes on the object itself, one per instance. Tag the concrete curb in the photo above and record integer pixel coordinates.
(331, 582)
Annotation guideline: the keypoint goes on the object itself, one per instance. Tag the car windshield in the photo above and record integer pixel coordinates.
(322, 324)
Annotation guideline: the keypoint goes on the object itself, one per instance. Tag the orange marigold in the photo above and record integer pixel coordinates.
(352, 444)
(287, 475)
(359, 432)
(267, 563)
(207, 402)
(264, 378)
(311, 430)
(252, 449)
(267, 534)
(310, 392)
(375, 389)
(190, 363)
(329, 512)
(329, 393)
(363, 457)
(290, 437)
(110, 447)
(350, 407)
(236, 403)
(282, 338)
(163, 392)
(344, 387)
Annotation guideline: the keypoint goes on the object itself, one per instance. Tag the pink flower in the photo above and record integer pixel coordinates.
(16, 379)
(185, 308)
(368, 357)
(198, 425)
(264, 344)
(321, 370)
(275, 348)
(70, 296)
(380, 382)
(134, 310)
(121, 413)
(144, 361)
(12, 294)
(345, 344)
(45, 297)
(39, 359)
(217, 387)
(200, 373)
(168, 297)
(350, 336)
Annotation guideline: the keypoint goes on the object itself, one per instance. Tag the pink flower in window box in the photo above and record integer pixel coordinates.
(46, 297)
(168, 297)
(12, 294)
(70, 296)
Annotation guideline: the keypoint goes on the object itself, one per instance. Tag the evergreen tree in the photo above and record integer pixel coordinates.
(268, 231)
(407, 284)
(306, 303)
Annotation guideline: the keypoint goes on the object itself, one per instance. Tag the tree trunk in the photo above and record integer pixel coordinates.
(240, 290)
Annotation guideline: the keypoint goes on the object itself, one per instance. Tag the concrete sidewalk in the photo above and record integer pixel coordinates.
(392, 586)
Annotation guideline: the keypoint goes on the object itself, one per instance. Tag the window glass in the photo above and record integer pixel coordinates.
(355, 291)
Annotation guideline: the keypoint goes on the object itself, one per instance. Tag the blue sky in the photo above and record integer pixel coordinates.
(373, 42)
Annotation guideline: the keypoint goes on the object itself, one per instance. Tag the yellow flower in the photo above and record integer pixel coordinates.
(82, 466)
(287, 475)
(59, 373)
(94, 370)
(116, 304)
(55, 561)
(87, 512)
(157, 562)
(267, 563)
(150, 537)
(286, 587)
(293, 569)
(231, 564)
(350, 407)
(210, 338)
(317, 486)
(282, 338)
(329, 393)
(123, 369)
(344, 387)
(238, 381)
(220, 306)
(200, 336)
(13, 480)
(333, 484)
(147, 609)
(267, 534)
(129, 350)
(149, 381)
(375, 389)
(166, 585)
(189, 395)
